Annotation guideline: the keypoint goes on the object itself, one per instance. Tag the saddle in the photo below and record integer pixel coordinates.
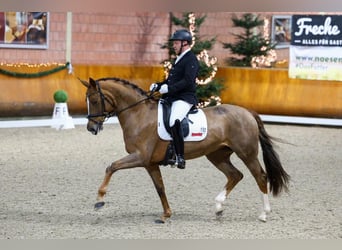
(184, 123)
(194, 127)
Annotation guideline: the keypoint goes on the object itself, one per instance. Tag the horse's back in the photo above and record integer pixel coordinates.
(232, 113)
(235, 125)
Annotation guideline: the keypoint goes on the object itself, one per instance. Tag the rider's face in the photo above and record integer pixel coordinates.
(177, 46)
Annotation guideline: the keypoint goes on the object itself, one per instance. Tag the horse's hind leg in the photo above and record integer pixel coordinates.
(260, 176)
(221, 160)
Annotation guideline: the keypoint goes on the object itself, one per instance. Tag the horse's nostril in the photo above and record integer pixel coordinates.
(91, 129)
(94, 128)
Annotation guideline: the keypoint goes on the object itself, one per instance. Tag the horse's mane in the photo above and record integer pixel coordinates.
(127, 83)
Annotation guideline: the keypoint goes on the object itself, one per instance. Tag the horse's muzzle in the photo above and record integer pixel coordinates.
(94, 128)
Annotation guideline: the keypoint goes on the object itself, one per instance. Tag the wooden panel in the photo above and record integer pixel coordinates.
(267, 91)
(271, 91)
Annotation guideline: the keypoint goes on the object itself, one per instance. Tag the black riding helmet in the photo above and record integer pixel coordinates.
(182, 35)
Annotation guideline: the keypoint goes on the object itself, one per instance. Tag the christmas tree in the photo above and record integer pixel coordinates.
(251, 44)
(208, 88)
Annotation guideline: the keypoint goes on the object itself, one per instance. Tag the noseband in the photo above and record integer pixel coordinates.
(107, 114)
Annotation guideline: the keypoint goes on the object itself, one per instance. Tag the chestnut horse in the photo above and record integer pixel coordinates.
(231, 129)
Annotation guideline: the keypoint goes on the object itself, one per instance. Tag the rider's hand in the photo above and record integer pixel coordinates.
(153, 87)
(164, 89)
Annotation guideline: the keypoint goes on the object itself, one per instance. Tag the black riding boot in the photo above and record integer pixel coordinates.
(178, 141)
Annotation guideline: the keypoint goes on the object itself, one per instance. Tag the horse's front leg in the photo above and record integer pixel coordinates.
(129, 161)
(154, 172)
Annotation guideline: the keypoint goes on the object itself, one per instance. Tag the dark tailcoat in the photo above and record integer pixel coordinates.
(182, 80)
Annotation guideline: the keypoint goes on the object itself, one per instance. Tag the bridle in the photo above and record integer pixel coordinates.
(107, 114)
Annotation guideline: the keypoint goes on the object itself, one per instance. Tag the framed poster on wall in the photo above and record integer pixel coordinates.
(24, 30)
(281, 30)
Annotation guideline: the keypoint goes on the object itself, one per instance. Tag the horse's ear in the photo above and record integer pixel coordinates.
(85, 83)
(92, 82)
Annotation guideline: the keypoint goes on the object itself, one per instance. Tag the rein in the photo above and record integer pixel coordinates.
(103, 98)
(135, 104)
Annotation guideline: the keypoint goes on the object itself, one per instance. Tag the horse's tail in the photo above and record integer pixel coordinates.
(276, 174)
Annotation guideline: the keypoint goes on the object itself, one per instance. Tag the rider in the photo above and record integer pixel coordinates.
(179, 88)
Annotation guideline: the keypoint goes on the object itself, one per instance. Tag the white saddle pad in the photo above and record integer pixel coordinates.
(197, 126)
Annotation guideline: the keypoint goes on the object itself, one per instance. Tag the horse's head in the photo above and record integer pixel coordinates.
(99, 106)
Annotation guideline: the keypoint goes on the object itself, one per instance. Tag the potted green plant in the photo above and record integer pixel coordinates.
(60, 117)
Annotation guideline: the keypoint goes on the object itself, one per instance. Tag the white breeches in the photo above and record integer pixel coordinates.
(179, 109)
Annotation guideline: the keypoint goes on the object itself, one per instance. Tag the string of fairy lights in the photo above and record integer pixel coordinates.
(210, 61)
(203, 56)
(271, 57)
(35, 65)
(36, 70)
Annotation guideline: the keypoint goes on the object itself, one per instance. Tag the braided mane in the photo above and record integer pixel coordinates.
(125, 82)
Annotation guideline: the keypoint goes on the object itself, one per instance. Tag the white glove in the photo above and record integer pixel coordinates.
(164, 89)
(153, 86)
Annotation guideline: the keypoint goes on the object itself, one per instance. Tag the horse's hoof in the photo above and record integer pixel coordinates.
(262, 217)
(159, 221)
(219, 213)
(99, 205)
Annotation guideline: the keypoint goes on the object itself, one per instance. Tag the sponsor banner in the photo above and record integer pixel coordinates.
(316, 63)
(316, 47)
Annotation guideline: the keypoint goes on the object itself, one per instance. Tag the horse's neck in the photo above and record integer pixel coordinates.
(123, 96)
(138, 114)
(133, 115)
(136, 124)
